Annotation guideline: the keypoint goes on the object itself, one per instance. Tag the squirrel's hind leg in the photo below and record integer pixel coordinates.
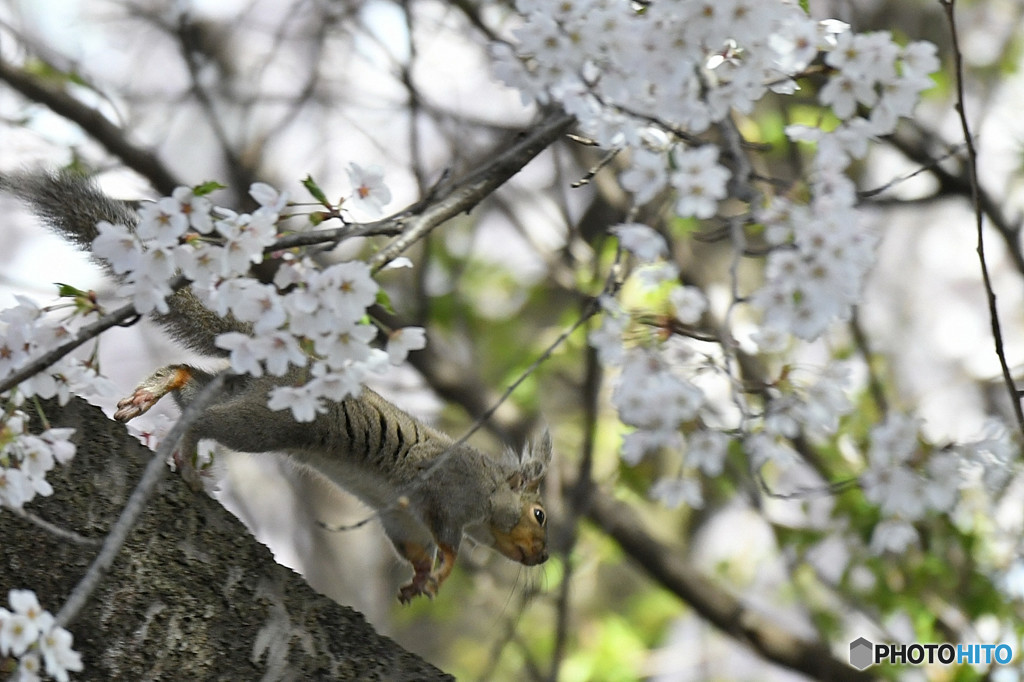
(169, 379)
(154, 387)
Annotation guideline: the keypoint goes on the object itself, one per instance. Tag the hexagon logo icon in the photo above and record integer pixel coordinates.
(861, 653)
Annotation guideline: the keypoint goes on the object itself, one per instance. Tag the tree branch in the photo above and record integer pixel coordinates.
(120, 317)
(462, 196)
(956, 182)
(94, 123)
(726, 612)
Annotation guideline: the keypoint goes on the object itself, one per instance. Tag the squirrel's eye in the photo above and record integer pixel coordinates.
(538, 514)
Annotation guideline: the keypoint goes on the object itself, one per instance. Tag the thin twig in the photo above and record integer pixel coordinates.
(508, 636)
(929, 167)
(956, 182)
(444, 201)
(806, 492)
(587, 313)
(596, 168)
(979, 217)
(463, 196)
(54, 529)
(136, 503)
(90, 331)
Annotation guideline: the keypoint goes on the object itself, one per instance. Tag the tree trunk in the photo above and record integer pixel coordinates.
(192, 595)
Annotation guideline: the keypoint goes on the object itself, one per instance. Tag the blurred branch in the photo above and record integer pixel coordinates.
(53, 529)
(876, 387)
(723, 610)
(979, 218)
(242, 172)
(112, 137)
(472, 14)
(415, 100)
(925, 146)
(577, 500)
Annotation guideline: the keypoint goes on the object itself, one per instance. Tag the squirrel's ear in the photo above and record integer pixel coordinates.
(532, 464)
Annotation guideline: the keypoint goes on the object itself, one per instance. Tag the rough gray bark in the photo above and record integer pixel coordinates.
(192, 595)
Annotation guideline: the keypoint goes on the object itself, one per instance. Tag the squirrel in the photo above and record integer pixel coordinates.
(427, 490)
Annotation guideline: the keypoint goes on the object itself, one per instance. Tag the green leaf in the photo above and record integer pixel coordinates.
(84, 302)
(207, 187)
(310, 184)
(69, 291)
(384, 301)
(50, 73)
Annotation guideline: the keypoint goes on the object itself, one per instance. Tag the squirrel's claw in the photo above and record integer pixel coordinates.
(421, 583)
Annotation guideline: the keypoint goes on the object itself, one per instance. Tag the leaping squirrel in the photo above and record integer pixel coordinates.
(365, 445)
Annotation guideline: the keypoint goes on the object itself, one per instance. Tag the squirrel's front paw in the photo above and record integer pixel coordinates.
(426, 580)
(421, 583)
(185, 465)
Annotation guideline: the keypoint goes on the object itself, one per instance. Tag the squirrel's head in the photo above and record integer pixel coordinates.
(518, 522)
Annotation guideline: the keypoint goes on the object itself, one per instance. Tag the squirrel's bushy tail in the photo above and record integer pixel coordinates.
(72, 205)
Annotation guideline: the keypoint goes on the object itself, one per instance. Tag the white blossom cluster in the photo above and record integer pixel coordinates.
(907, 484)
(813, 407)
(796, 407)
(28, 633)
(686, 64)
(26, 333)
(651, 80)
(308, 317)
(25, 459)
(653, 392)
(822, 250)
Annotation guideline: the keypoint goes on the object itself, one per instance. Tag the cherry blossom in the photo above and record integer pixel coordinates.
(640, 240)
(689, 303)
(369, 193)
(28, 630)
(699, 181)
(402, 341)
(676, 492)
